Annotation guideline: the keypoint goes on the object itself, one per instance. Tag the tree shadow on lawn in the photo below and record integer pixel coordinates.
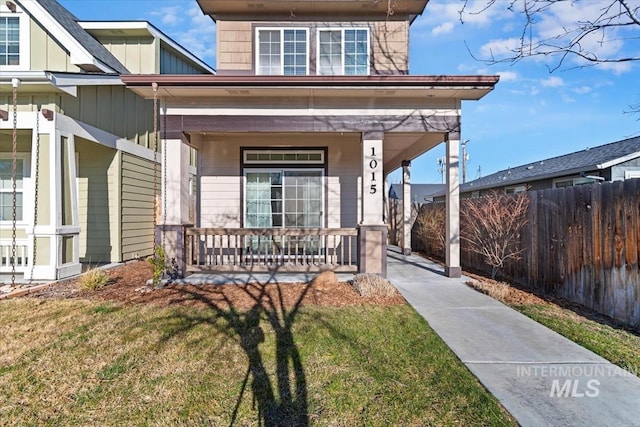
(282, 403)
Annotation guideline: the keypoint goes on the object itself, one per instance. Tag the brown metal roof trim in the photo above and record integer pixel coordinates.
(308, 81)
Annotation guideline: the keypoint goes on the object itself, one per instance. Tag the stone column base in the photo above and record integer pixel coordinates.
(406, 251)
(173, 243)
(453, 272)
(372, 242)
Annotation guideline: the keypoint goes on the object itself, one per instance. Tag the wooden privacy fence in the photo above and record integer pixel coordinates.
(269, 249)
(581, 243)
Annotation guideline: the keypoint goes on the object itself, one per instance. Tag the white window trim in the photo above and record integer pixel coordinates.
(342, 30)
(630, 174)
(323, 220)
(576, 180)
(25, 51)
(281, 29)
(26, 188)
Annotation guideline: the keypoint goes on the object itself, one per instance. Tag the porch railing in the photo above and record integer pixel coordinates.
(6, 256)
(271, 249)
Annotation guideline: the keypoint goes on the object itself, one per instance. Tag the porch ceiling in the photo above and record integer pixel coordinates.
(407, 146)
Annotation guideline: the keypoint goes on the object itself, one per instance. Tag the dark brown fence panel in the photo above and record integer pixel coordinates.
(581, 243)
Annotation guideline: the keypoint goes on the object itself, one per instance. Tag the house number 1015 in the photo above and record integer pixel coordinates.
(373, 164)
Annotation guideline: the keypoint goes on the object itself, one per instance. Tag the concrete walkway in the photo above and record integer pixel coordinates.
(540, 377)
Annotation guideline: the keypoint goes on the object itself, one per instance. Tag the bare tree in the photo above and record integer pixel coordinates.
(609, 22)
(492, 225)
(430, 227)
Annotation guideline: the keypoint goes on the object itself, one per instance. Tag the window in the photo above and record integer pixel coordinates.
(6, 189)
(283, 198)
(516, 189)
(282, 51)
(9, 40)
(571, 182)
(343, 51)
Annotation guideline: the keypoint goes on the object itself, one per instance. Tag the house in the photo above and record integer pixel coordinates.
(85, 151)
(419, 194)
(311, 108)
(615, 161)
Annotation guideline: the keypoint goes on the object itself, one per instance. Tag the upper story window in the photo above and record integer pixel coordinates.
(343, 51)
(14, 39)
(282, 51)
(9, 40)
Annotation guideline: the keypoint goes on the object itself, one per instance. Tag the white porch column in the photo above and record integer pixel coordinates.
(373, 230)
(174, 182)
(406, 207)
(452, 267)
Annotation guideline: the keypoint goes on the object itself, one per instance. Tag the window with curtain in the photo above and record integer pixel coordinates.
(9, 40)
(283, 198)
(282, 51)
(6, 189)
(343, 51)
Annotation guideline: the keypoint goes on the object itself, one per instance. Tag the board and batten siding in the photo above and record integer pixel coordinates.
(389, 44)
(137, 206)
(138, 54)
(173, 63)
(113, 109)
(221, 176)
(46, 53)
(98, 202)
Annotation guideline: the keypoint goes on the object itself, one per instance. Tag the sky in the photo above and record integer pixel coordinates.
(532, 114)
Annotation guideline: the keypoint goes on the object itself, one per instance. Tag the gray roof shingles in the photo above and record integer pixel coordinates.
(580, 161)
(70, 24)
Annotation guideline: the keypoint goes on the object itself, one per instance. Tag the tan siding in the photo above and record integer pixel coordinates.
(389, 44)
(390, 47)
(46, 53)
(137, 210)
(97, 202)
(234, 45)
(221, 183)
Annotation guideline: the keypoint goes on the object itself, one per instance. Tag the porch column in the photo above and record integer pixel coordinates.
(452, 267)
(373, 230)
(174, 182)
(406, 207)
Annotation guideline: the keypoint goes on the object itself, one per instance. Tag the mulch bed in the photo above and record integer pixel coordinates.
(127, 285)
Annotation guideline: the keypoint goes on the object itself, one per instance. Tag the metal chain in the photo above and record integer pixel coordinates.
(155, 169)
(14, 179)
(35, 191)
(164, 175)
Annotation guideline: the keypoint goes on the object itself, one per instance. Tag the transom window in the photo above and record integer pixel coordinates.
(343, 51)
(284, 156)
(282, 51)
(9, 40)
(6, 189)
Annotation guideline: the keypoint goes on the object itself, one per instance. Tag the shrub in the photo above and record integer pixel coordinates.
(372, 285)
(159, 264)
(94, 279)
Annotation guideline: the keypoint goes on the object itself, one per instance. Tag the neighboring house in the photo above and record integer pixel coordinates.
(312, 106)
(419, 194)
(85, 146)
(610, 162)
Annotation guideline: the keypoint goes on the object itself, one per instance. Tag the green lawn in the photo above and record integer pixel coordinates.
(619, 346)
(80, 362)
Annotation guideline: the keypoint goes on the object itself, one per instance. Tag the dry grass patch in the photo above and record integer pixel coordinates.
(372, 285)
